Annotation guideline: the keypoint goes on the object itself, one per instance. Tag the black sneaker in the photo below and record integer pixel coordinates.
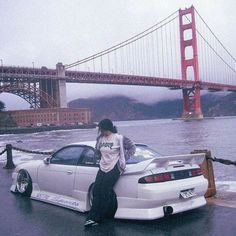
(89, 223)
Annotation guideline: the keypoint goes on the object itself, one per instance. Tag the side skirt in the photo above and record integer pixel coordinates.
(56, 199)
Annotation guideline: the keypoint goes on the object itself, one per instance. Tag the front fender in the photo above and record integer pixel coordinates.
(31, 167)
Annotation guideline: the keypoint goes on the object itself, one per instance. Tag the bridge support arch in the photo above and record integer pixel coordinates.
(191, 96)
(29, 92)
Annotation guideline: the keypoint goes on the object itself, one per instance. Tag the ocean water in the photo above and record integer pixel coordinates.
(168, 137)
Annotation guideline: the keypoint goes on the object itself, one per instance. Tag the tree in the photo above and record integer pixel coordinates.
(6, 120)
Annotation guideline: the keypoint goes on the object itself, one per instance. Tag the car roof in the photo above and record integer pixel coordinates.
(87, 143)
(93, 143)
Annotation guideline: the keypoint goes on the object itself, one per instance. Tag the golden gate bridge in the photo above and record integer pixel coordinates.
(179, 52)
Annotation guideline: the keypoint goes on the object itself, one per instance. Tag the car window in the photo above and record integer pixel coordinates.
(67, 156)
(89, 157)
(142, 153)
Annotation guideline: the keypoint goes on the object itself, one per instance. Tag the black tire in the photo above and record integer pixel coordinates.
(24, 183)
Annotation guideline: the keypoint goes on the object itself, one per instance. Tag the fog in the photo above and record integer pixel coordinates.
(42, 33)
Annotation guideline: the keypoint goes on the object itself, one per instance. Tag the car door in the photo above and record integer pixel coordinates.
(87, 169)
(59, 175)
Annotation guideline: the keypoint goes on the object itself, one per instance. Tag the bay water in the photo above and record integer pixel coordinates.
(168, 137)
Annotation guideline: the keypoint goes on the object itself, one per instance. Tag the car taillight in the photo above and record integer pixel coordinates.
(156, 178)
(168, 176)
(195, 172)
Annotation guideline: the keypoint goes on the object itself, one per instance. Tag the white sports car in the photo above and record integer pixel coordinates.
(151, 187)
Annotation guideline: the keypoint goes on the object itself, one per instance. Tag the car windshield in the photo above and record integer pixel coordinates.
(142, 153)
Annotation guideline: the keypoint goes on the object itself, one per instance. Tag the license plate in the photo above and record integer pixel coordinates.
(187, 194)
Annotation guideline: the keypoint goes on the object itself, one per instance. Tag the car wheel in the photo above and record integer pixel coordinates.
(24, 183)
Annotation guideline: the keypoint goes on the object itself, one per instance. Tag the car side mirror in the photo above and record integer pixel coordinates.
(46, 160)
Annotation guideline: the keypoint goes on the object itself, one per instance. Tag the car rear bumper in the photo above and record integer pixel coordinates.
(158, 211)
(152, 198)
(170, 190)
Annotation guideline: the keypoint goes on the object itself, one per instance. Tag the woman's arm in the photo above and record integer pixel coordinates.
(129, 147)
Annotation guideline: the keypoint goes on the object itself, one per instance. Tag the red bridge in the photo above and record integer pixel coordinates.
(174, 53)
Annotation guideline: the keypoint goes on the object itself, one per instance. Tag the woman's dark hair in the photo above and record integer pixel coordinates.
(106, 124)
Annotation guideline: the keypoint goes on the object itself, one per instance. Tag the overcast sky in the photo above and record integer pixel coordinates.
(44, 32)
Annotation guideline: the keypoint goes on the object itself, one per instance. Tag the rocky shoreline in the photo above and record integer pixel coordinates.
(23, 130)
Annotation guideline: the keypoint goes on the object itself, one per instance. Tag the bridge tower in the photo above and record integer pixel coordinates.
(55, 89)
(61, 86)
(191, 96)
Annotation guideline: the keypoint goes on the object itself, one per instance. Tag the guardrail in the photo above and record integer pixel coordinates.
(10, 164)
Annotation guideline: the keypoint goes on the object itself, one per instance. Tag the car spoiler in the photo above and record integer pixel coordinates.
(165, 161)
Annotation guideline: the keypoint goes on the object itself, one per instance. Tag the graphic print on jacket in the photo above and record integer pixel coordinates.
(110, 149)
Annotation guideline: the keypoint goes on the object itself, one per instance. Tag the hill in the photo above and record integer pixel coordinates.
(125, 108)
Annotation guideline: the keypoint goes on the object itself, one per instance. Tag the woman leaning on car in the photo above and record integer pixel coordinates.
(114, 150)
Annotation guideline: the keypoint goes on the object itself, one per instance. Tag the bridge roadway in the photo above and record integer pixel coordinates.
(22, 216)
(30, 75)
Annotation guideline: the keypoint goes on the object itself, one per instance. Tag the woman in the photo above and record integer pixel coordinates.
(114, 150)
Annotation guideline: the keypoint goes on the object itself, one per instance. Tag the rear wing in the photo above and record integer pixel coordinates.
(190, 159)
(165, 161)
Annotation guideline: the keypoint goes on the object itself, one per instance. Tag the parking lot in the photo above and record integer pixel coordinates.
(23, 216)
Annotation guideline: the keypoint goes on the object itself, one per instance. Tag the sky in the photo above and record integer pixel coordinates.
(43, 32)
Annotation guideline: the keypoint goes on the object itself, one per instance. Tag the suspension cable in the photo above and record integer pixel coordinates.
(124, 43)
(216, 36)
(100, 54)
(214, 49)
(216, 52)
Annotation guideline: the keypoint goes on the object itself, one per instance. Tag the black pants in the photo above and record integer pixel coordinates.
(103, 195)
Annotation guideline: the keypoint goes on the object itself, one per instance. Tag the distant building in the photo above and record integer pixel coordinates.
(51, 116)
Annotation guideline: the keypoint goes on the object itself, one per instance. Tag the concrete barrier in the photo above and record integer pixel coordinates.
(208, 172)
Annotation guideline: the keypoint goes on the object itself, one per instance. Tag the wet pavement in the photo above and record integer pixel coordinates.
(23, 216)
